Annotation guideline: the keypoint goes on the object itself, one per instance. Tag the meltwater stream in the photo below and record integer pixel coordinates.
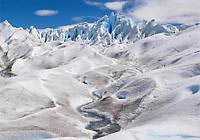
(102, 124)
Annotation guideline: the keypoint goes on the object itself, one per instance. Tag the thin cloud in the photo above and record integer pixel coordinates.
(116, 5)
(93, 3)
(183, 11)
(46, 12)
(83, 18)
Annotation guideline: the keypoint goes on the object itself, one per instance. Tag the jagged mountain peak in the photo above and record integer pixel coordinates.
(5, 23)
(113, 28)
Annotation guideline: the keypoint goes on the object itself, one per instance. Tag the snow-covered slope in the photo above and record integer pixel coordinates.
(171, 110)
(90, 80)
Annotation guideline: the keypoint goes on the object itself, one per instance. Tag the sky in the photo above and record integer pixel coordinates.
(55, 13)
(48, 13)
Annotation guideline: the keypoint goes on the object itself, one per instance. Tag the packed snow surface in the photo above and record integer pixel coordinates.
(113, 79)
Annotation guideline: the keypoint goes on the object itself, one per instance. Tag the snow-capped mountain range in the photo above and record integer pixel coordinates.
(118, 78)
(115, 28)
(109, 29)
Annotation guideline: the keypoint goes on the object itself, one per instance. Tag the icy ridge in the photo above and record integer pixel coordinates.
(111, 29)
(114, 28)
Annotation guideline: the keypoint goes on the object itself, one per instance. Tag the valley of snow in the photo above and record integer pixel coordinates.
(111, 80)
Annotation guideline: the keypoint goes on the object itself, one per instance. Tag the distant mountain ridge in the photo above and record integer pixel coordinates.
(114, 28)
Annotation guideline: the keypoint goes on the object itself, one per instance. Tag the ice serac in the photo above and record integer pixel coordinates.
(114, 28)
(111, 29)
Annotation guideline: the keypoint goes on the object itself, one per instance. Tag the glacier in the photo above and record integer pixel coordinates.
(112, 79)
(114, 28)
